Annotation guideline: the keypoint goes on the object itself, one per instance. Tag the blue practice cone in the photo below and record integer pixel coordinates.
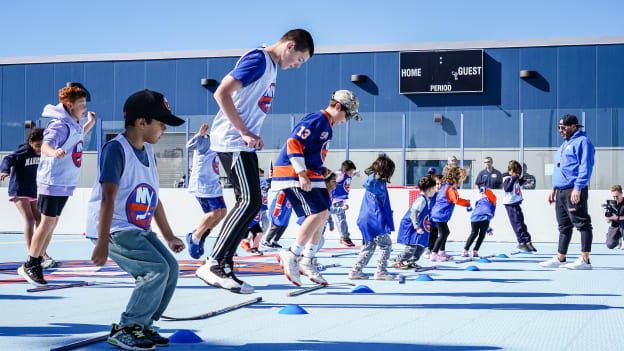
(424, 278)
(484, 260)
(362, 289)
(472, 268)
(502, 256)
(184, 336)
(293, 309)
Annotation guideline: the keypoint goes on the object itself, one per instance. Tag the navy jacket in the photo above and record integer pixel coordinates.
(22, 165)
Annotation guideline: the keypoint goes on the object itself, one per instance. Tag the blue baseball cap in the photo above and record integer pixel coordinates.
(431, 170)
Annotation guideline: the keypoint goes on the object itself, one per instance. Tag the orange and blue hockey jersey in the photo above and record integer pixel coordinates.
(444, 205)
(305, 150)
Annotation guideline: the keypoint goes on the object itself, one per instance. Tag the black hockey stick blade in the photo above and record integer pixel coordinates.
(424, 269)
(314, 288)
(213, 313)
(59, 286)
(81, 343)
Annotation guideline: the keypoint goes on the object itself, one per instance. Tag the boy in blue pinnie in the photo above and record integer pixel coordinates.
(415, 226)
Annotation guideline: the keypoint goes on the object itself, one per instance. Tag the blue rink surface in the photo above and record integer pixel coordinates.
(510, 304)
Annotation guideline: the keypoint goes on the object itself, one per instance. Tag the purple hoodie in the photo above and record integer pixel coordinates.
(55, 135)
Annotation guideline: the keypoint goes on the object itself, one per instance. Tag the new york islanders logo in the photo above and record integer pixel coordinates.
(324, 150)
(77, 154)
(288, 204)
(141, 205)
(427, 223)
(517, 190)
(267, 99)
(347, 185)
(215, 165)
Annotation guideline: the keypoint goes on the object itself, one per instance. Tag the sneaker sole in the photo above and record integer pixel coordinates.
(114, 341)
(23, 274)
(287, 276)
(217, 285)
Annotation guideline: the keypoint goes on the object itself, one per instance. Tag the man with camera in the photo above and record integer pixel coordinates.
(614, 214)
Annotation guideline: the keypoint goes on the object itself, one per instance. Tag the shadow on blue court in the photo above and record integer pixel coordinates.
(54, 329)
(458, 306)
(29, 297)
(476, 294)
(493, 280)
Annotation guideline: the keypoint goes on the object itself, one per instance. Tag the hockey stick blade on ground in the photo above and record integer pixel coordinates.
(424, 269)
(81, 343)
(60, 286)
(314, 288)
(213, 313)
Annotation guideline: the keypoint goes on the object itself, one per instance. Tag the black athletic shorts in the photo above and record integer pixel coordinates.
(50, 205)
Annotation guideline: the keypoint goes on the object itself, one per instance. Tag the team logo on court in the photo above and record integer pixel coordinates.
(77, 154)
(427, 223)
(324, 150)
(141, 205)
(267, 99)
(215, 165)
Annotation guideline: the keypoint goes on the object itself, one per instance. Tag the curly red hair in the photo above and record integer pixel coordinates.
(71, 94)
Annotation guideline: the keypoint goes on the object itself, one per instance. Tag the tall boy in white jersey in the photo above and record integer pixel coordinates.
(123, 202)
(245, 96)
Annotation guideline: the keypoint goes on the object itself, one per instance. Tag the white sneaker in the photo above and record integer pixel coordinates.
(289, 263)
(578, 264)
(222, 277)
(384, 275)
(553, 262)
(357, 275)
(427, 253)
(309, 267)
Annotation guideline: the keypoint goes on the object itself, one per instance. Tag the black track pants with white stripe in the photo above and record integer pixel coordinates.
(242, 172)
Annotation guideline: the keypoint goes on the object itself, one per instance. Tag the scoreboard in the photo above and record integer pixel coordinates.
(441, 72)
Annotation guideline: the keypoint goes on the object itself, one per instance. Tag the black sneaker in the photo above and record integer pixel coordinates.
(531, 247)
(33, 275)
(158, 340)
(523, 247)
(275, 245)
(130, 338)
(256, 252)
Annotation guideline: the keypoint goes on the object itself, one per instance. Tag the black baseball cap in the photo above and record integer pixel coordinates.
(569, 120)
(148, 103)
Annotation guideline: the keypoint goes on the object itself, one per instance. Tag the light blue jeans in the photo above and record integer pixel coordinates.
(156, 271)
(338, 216)
(366, 253)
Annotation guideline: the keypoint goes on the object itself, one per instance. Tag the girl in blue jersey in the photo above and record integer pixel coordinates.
(375, 220)
(480, 221)
(340, 196)
(21, 167)
(414, 227)
(443, 207)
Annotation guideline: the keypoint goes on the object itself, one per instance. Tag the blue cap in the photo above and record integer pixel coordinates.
(432, 170)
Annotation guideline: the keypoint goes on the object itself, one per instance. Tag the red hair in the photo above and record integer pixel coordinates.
(71, 94)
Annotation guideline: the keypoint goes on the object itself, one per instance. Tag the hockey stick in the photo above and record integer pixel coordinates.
(424, 269)
(314, 288)
(213, 313)
(345, 254)
(321, 267)
(81, 343)
(60, 286)
(515, 252)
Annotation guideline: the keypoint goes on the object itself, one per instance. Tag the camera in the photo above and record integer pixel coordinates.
(610, 208)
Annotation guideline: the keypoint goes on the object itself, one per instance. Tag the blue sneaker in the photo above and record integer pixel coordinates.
(196, 251)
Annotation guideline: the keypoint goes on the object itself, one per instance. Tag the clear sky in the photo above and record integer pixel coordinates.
(60, 27)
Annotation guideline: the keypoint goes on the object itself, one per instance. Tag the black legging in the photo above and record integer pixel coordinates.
(433, 237)
(444, 232)
(478, 228)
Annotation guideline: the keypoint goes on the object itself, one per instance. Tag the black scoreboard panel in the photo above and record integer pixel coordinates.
(441, 72)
